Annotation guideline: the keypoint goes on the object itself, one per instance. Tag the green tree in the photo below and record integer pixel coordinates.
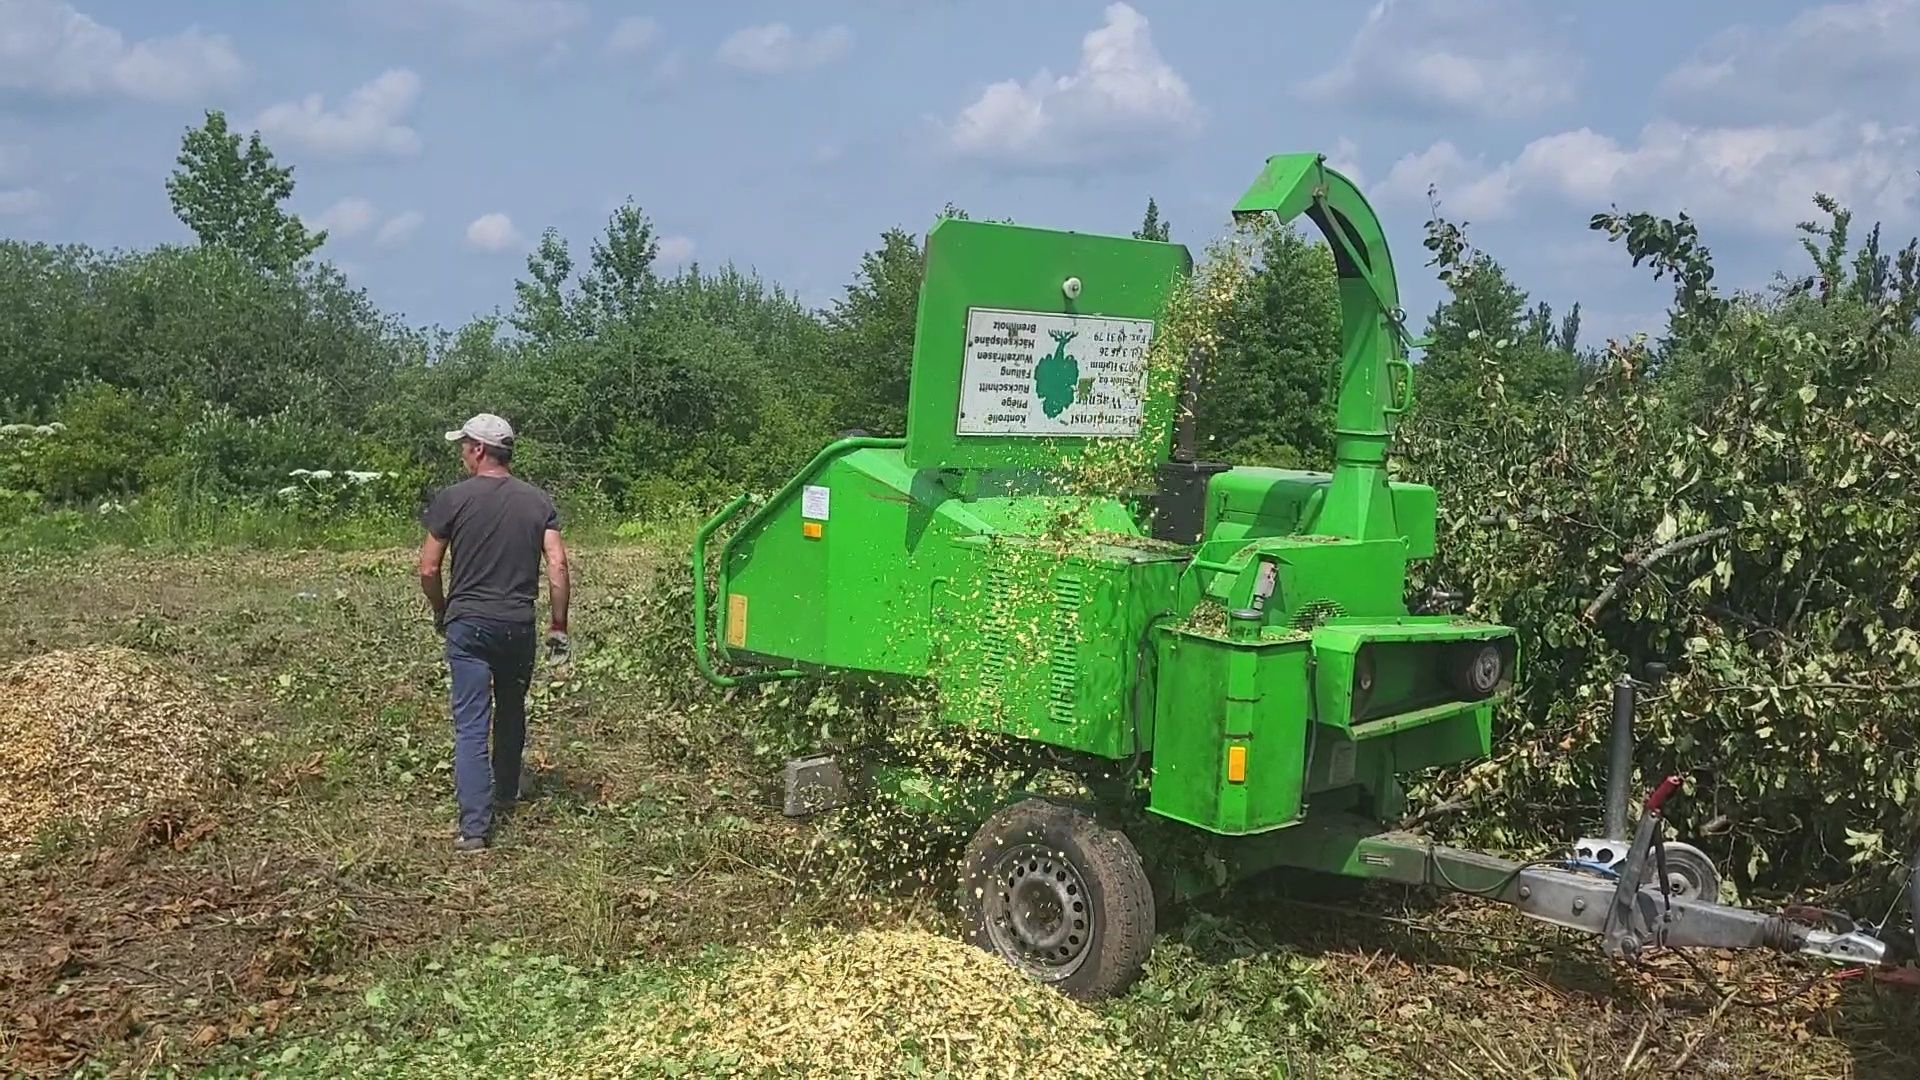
(49, 325)
(872, 331)
(1672, 248)
(1485, 338)
(1265, 398)
(619, 284)
(1569, 336)
(543, 309)
(233, 198)
(205, 325)
(1152, 227)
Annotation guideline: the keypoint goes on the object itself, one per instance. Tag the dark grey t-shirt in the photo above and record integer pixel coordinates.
(496, 527)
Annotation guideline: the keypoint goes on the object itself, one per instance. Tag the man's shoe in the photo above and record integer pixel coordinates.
(469, 844)
(523, 789)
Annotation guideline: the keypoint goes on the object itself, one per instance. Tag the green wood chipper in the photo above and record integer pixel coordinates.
(1227, 659)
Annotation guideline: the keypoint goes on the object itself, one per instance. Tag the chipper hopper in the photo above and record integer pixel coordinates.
(1227, 660)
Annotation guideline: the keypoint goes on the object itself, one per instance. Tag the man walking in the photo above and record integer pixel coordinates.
(498, 527)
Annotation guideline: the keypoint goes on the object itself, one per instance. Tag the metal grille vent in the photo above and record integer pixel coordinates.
(1063, 661)
(1315, 613)
(996, 633)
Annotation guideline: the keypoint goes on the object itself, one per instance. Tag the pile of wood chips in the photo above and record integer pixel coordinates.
(879, 1003)
(90, 735)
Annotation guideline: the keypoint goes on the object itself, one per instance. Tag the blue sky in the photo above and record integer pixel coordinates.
(437, 138)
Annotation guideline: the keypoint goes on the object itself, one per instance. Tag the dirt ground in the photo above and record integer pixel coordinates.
(311, 875)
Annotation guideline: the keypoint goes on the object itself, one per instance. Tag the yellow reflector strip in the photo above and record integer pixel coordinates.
(1236, 764)
(737, 620)
(811, 529)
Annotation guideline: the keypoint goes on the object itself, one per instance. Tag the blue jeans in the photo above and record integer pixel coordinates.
(491, 664)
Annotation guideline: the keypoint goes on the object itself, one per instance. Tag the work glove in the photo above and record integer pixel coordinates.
(559, 648)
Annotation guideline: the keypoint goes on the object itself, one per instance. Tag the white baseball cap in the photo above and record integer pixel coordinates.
(486, 429)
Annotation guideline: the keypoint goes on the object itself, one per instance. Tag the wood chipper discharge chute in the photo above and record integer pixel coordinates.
(1227, 659)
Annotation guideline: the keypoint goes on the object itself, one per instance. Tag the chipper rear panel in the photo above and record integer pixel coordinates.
(941, 555)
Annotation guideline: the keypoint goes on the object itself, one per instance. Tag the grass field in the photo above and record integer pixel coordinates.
(303, 912)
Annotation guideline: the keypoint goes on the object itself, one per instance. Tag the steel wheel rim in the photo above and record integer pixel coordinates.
(1689, 875)
(1037, 912)
(1484, 671)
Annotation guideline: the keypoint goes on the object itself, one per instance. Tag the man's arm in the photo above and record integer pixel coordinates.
(559, 587)
(433, 553)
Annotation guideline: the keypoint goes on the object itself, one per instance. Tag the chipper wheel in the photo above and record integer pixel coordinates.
(1690, 873)
(1476, 668)
(1059, 896)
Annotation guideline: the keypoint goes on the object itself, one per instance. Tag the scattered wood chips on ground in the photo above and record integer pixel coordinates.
(89, 735)
(878, 1003)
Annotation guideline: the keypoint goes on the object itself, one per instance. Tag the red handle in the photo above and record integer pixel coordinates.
(1660, 794)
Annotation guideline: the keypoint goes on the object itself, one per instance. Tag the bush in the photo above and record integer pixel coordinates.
(223, 454)
(21, 447)
(15, 504)
(110, 443)
(1743, 508)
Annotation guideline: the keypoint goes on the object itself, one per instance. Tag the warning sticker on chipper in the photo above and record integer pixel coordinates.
(1036, 373)
(815, 500)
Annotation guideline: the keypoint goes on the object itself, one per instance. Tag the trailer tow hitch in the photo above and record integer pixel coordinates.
(1635, 921)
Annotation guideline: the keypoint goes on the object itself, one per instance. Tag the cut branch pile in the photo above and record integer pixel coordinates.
(91, 735)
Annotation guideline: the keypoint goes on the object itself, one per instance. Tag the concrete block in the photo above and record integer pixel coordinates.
(814, 784)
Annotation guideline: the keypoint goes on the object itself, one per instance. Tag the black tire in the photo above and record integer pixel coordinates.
(1060, 897)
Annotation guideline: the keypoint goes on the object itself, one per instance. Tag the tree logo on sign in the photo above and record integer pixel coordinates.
(1057, 377)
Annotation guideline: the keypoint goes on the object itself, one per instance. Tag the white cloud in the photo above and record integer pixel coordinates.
(347, 218)
(399, 229)
(47, 47)
(633, 35)
(1758, 178)
(20, 202)
(1600, 325)
(638, 38)
(371, 121)
(1122, 101)
(1468, 188)
(492, 27)
(1344, 158)
(776, 49)
(17, 202)
(354, 216)
(670, 71)
(1864, 52)
(1476, 57)
(494, 233)
(675, 250)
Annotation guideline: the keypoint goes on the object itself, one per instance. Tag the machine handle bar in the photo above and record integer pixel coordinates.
(1659, 795)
